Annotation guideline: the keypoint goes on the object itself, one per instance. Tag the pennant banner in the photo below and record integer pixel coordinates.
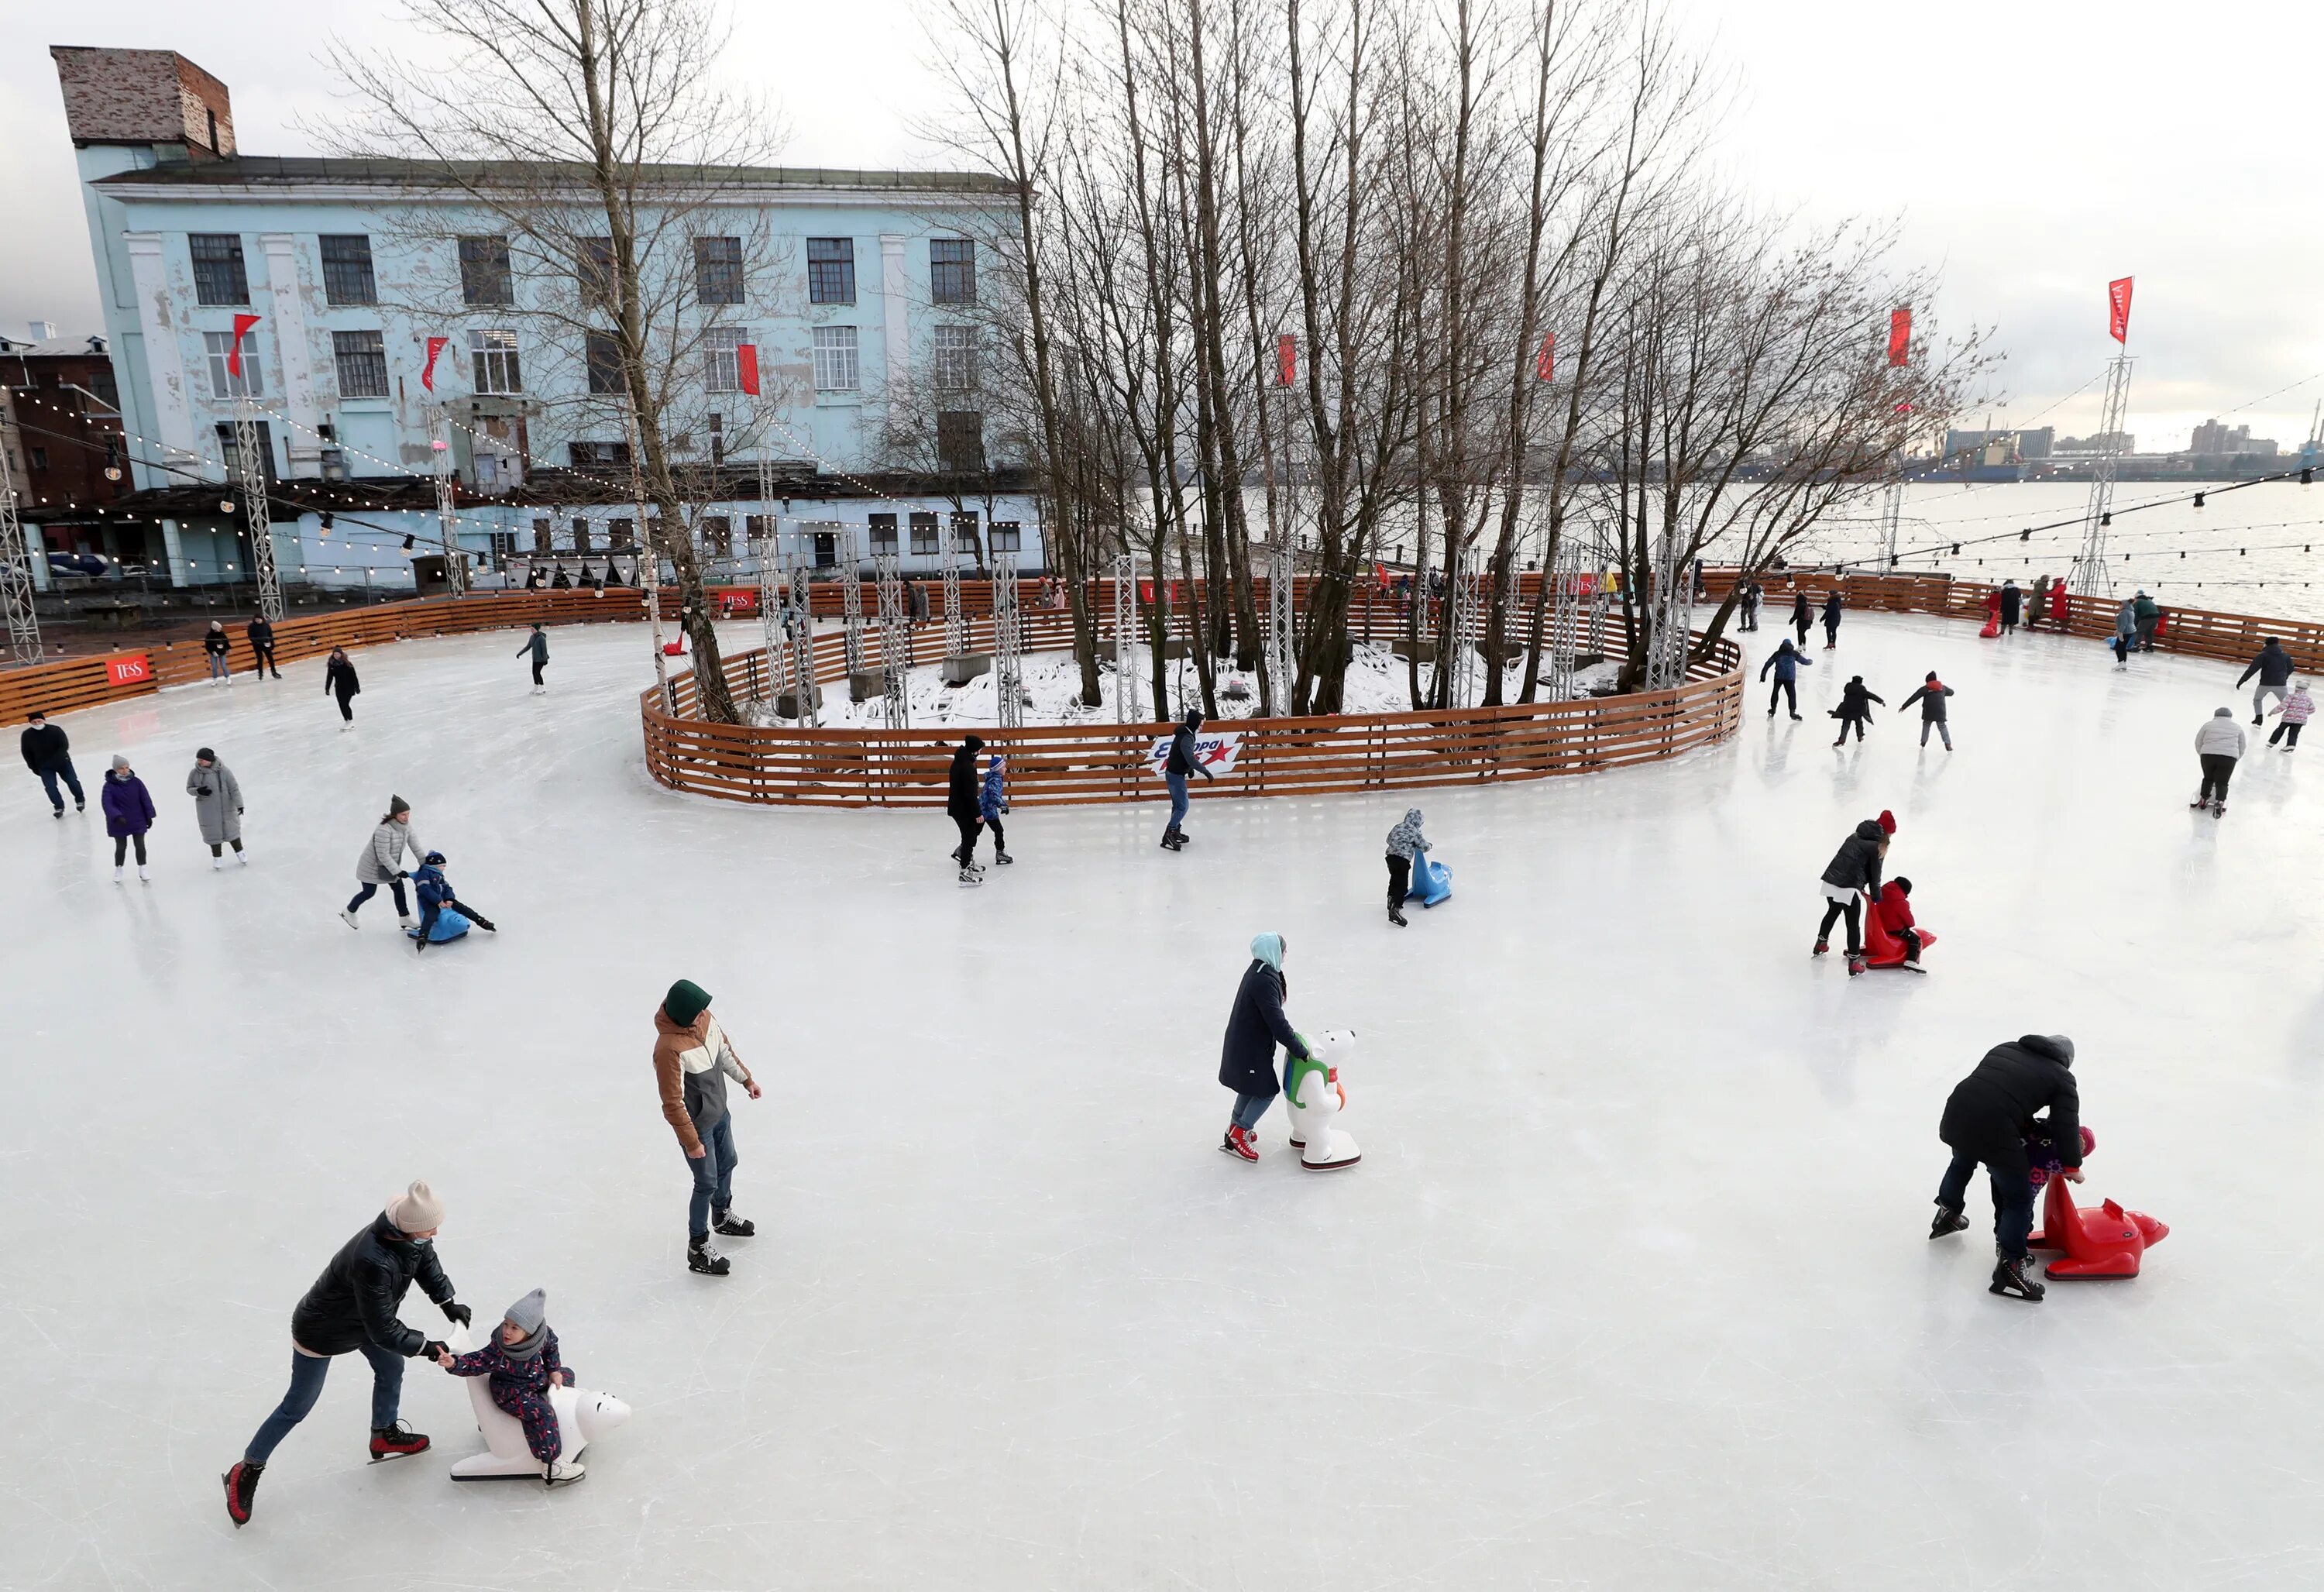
(428, 371)
(1900, 336)
(746, 366)
(242, 324)
(2118, 310)
(1544, 364)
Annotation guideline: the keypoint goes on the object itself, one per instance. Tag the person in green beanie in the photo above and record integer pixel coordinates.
(692, 1063)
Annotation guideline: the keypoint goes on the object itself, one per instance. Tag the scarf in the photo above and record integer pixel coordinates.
(532, 1311)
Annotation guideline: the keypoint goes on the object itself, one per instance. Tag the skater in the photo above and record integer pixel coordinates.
(1787, 661)
(2218, 744)
(1406, 847)
(963, 803)
(1932, 695)
(2297, 709)
(339, 680)
(2034, 609)
(128, 815)
(1747, 602)
(262, 647)
(1896, 909)
(1802, 617)
(379, 862)
(1831, 619)
(2061, 606)
(2144, 611)
(692, 1063)
(2272, 665)
(1852, 876)
(353, 1306)
(522, 1363)
(991, 802)
(537, 644)
(2125, 636)
(216, 644)
(217, 806)
(1254, 1028)
(435, 892)
(1184, 759)
(2012, 601)
(48, 753)
(1987, 1119)
(1856, 700)
(1992, 615)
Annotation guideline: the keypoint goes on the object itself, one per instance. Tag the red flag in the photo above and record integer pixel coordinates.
(1544, 364)
(242, 324)
(746, 366)
(1900, 336)
(2118, 310)
(1286, 360)
(428, 371)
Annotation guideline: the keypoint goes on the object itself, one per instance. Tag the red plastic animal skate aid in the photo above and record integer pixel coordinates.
(1883, 949)
(2098, 1240)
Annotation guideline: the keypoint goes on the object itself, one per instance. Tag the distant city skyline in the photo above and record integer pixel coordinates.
(2018, 161)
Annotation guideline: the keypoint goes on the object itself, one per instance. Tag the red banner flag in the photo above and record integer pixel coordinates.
(1544, 364)
(242, 324)
(1286, 360)
(428, 372)
(1900, 336)
(746, 366)
(2118, 310)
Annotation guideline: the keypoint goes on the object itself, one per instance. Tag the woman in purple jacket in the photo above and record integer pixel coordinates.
(128, 815)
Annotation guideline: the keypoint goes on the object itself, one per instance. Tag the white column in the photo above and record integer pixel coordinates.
(895, 300)
(300, 446)
(165, 369)
(174, 549)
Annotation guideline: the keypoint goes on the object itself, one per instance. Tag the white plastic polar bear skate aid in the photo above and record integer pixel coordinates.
(582, 1418)
(1317, 1104)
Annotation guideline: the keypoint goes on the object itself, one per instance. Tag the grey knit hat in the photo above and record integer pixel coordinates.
(396, 804)
(531, 1312)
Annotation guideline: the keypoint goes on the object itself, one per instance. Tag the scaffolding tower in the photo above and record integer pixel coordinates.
(895, 643)
(1564, 619)
(1458, 667)
(1008, 643)
(851, 596)
(955, 617)
(1125, 629)
(770, 594)
(447, 520)
(16, 570)
(2090, 578)
(258, 514)
(1282, 628)
(800, 590)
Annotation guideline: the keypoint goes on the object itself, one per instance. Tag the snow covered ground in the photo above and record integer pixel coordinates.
(1631, 1290)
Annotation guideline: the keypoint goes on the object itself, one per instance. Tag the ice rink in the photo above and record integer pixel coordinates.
(1632, 1289)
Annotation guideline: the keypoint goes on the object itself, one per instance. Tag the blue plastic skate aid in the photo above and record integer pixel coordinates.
(1432, 882)
(448, 925)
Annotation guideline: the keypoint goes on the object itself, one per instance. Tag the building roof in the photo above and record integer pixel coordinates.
(294, 171)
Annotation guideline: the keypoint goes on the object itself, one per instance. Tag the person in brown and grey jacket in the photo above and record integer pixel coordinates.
(692, 1063)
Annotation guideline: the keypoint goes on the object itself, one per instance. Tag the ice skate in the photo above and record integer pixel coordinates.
(970, 876)
(1950, 1218)
(392, 1442)
(726, 1224)
(143, 877)
(1395, 915)
(1796, 718)
(1822, 947)
(2009, 1277)
(1856, 963)
(243, 858)
(406, 920)
(701, 1258)
(1238, 1142)
(58, 814)
(1003, 857)
(241, 1491)
(559, 1473)
(2198, 803)
(216, 863)
(2219, 810)
(347, 918)
(119, 873)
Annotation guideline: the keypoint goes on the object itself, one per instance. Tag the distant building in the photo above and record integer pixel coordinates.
(2036, 444)
(1998, 447)
(66, 455)
(2212, 438)
(2098, 442)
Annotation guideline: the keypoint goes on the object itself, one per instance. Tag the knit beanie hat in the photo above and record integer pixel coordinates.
(396, 804)
(119, 762)
(205, 755)
(417, 1210)
(1887, 819)
(532, 1314)
(686, 1001)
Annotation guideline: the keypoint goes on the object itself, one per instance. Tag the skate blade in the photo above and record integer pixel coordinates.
(1329, 1165)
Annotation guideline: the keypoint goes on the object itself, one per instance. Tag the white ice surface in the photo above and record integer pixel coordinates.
(1630, 1290)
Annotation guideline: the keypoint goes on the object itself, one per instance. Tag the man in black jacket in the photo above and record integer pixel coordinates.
(353, 1305)
(1184, 760)
(262, 647)
(1987, 1119)
(48, 752)
(961, 806)
(2272, 665)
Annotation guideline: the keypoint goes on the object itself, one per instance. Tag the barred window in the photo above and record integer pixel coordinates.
(225, 384)
(718, 271)
(831, 271)
(722, 368)
(883, 534)
(834, 359)
(346, 269)
(362, 359)
(952, 271)
(924, 533)
(955, 358)
(624, 532)
(218, 274)
(494, 355)
(485, 274)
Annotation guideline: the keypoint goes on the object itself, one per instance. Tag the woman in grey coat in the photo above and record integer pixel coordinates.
(217, 806)
(380, 862)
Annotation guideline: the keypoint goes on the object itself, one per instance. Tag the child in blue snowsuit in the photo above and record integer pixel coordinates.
(523, 1365)
(994, 801)
(435, 894)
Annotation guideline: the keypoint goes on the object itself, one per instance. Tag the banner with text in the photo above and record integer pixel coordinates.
(1214, 750)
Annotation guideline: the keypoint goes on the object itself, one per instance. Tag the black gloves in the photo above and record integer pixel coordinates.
(434, 1347)
(454, 1311)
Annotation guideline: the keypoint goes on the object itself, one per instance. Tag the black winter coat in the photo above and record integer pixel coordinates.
(215, 641)
(1186, 757)
(1857, 864)
(1990, 1111)
(1856, 701)
(961, 800)
(2271, 663)
(261, 633)
(1931, 699)
(2010, 598)
(45, 748)
(1254, 1028)
(1800, 612)
(339, 678)
(356, 1297)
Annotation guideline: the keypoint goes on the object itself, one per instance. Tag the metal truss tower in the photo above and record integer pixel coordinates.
(1125, 629)
(955, 617)
(447, 520)
(258, 513)
(1458, 668)
(1892, 516)
(16, 570)
(770, 594)
(800, 591)
(1282, 628)
(1565, 620)
(1008, 643)
(851, 596)
(2090, 578)
(895, 643)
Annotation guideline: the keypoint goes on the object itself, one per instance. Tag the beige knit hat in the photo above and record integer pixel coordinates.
(417, 1210)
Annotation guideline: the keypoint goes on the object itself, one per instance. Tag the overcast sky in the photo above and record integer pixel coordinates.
(2033, 149)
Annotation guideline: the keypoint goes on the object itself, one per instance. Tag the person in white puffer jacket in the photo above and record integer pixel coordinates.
(2218, 744)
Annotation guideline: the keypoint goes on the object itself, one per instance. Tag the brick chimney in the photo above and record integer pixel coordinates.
(144, 97)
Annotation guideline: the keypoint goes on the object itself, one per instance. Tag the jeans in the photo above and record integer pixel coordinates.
(2260, 693)
(402, 906)
(1250, 1108)
(2012, 1201)
(1940, 727)
(1399, 880)
(713, 1179)
(1177, 784)
(121, 844)
(219, 668)
(64, 771)
(1854, 907)
(1786, 691)
(307, 1374)
(2286, 731)
(2218, 769)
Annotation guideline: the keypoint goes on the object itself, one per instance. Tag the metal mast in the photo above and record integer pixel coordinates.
(956, 621)
(895, 643)
(448, 523)
(16, 568)
(1564, 619)
(1891, 515)
(770, 591)
(2090, 578)
(1008, 643)
(250, 465)
(801, 593)
(1282, 581)
(1459, 671)
(1125, 626)
(850, 594)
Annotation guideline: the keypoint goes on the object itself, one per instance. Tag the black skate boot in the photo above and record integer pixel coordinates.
(701, 1258)
(728, 1224)
(242, 1490)
(1950, 1220)
(2009, 1277)
(485, 923)
(1395, 915)
(1003, 857)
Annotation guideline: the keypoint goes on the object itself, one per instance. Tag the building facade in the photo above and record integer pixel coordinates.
(380, 325)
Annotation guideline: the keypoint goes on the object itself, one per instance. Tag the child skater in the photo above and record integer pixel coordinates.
(991, 802)
(522, 1362)
(435, 894)
(1405, 847)
(1896, 909)
(2297, 709)
(1856, 700)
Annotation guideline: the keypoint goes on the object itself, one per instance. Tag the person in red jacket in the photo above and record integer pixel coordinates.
(1896, 910)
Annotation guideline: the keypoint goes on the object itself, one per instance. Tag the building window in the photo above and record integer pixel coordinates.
(718, 535)
(504, 547)
(722, 369)
(346, 269)
(960, 441)
(598, 455)
(101, 382)
(963, 531)
(955, 360)
(580, 536)
(924, 533)
(218, 275)
(493, 355)
(952, 271)
(485, 274)
(594, 271)
(222, 383)
(621, 532)
(834, 359)
(40, 457)
(1008, 537)
(605, 361)
(831, 271)
(718, 271)
(230, 451)
(754, 526)
(362, 359)
(883, 535)
(544, 535)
